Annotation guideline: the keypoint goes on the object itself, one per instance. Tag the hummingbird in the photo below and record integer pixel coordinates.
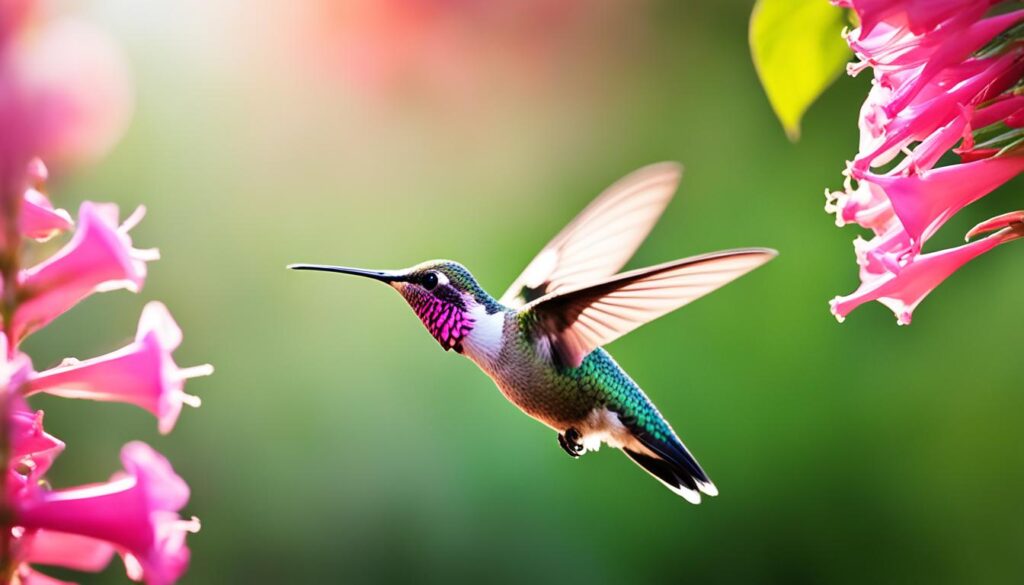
(542, 341)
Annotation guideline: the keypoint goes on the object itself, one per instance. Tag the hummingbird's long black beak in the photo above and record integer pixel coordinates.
(381, 275)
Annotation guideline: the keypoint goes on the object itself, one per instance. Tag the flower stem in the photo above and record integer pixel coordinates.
(11, 193)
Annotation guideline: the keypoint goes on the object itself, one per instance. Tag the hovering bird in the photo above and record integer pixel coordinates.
(541, 342)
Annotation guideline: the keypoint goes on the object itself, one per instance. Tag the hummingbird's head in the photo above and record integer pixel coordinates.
(442, 293)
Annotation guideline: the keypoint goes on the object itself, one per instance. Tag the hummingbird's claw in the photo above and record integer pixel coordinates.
(570, 442)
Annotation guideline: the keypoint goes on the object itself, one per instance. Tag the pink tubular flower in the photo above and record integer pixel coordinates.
(99, 257)
(142, 373)
(947, 78)
(926, 200)
(903, 291)
(136, 511)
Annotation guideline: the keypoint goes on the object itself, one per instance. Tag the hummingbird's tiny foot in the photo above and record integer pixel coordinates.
(566, 447)
(570, 442)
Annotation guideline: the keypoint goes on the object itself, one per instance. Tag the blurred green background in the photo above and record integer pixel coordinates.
(337, 443)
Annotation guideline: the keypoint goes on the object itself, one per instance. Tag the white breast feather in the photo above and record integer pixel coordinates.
(483, 343)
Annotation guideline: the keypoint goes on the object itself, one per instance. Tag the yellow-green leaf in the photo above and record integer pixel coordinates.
(798, 52)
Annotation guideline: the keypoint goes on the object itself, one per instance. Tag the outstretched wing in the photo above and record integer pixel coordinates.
(579, 320)
(602, 238)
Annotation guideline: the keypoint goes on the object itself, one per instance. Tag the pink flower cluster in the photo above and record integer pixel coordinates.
(136, 513)
(947, 77)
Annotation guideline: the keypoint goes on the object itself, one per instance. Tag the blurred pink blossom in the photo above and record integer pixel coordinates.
(454, 53)
(388, 43)
(946, 78)
(79, 82)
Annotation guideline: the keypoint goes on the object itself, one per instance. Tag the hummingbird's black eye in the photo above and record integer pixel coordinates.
(430, 280)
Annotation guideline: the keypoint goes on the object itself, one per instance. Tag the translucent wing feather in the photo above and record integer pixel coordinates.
(579, 320)
(602, 238)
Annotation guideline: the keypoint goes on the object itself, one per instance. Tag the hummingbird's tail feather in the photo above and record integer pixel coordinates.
(664, 472)
(673, 465)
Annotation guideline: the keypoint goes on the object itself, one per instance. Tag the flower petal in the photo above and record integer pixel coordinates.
(996, 223)
(73, 551)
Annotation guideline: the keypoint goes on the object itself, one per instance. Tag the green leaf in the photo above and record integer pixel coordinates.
(798, 51)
